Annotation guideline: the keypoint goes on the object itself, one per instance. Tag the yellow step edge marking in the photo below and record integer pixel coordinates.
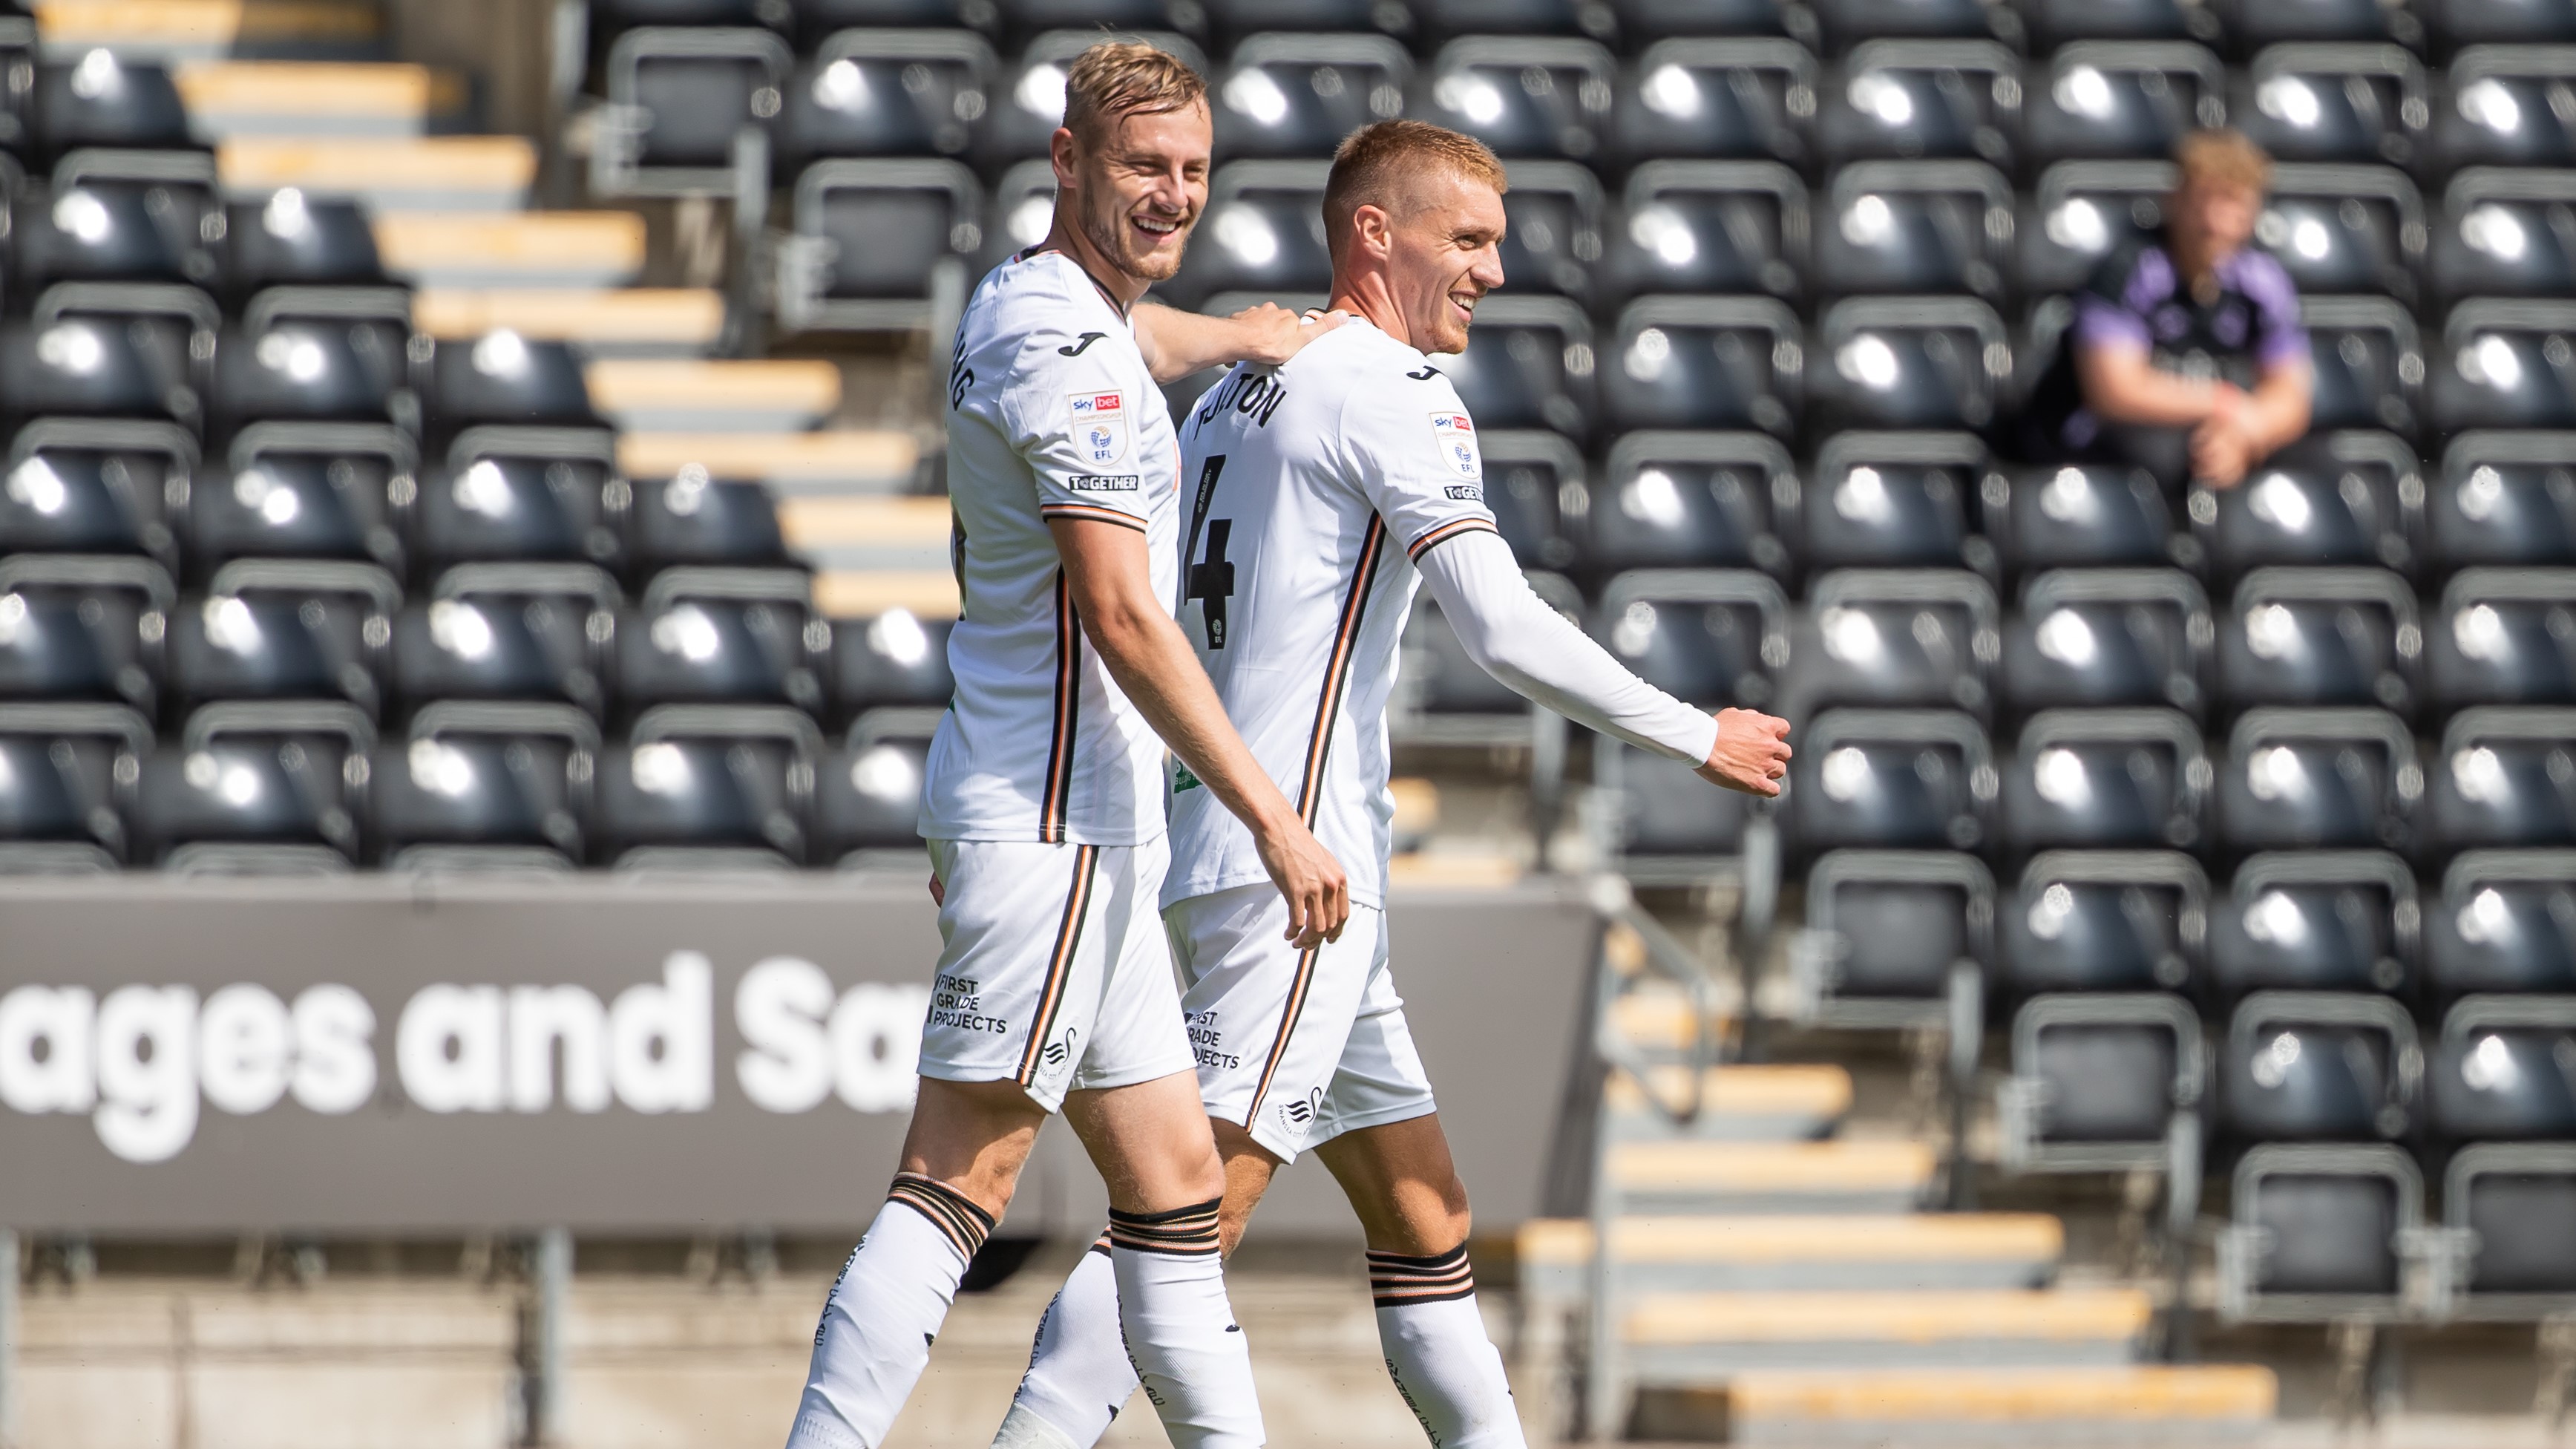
(814, 523)
(863, 593)
(608, 241)
(303, 88)
(680, 315)
(1812, 1091)
(1857, 1238)
(200, 22)
(791, 385)
(1917, 1318)
(824, 456)
(1772, 1166)
(490, 163)
(2231, 1391)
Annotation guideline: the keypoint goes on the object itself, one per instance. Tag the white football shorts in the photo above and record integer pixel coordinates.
(1297, 1047)
(1056, 974)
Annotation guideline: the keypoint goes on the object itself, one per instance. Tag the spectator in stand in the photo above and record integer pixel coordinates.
(2186, 356)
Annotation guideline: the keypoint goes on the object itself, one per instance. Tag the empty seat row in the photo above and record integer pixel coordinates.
(266, 788)
(359, 493)
(107, 630)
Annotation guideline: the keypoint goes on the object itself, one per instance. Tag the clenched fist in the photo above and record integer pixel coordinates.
(1751, 753)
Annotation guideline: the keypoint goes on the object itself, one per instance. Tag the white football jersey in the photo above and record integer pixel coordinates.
(1311, 488)
(1052, 414)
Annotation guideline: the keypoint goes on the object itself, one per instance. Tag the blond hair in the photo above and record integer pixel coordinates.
(2224, 159)
(1117, 79)
(1376, 164)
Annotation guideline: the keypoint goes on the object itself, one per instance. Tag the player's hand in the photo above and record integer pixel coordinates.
(1318, 894)
(1272, 334)
(1751, 753)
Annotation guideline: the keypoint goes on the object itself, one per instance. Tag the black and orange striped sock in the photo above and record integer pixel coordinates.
(955, 1215)
(1396, 1280)
(1182, 1232)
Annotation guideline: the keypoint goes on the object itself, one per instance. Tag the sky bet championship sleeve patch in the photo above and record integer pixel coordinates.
(1457, 438)
(1100, 426)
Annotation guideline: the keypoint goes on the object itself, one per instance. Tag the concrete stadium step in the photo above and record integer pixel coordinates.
(595, 249)
(840, 460)
(1771, 1177)
(765, 396)
(165, 30)
(1690, 1338)
(1749, 1253)
(867, 533)
(626, 322)
(1737, 1104)
(424, 173)
(866, 593)
(1658, 1018)
(236, 98)
(2043, 1408)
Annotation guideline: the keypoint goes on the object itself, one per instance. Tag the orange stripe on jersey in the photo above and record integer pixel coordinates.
(1068, 939)
(1297, 989)
(1337, 670)
(1068, 715)
(1090, 513)
(1448, 531)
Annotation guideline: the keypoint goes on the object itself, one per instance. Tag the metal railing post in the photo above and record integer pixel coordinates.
(8, 1338)
(550, 1275)
(1603, 1390)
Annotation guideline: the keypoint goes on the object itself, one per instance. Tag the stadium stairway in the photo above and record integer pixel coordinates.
(1776, 1279)
(296, 94)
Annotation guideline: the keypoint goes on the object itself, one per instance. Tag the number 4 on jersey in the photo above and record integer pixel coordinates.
(1212, 580)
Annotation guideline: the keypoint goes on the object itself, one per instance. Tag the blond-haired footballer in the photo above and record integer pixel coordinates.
(1320, 494)
(1043, 804)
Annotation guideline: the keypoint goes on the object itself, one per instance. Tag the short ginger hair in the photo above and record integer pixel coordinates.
(1373, 165)
(2222, 159)
(1117, 79)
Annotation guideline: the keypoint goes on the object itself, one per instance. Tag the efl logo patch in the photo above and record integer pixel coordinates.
(1100, 426)
(1456, 435)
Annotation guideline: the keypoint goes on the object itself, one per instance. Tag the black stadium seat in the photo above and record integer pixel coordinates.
(124, 216)
(1848, 22)
(2082, 212)
(82, 628)
(2320, 1066)
(1674, 19)
(2506, 234)
(98, 100)
(89, 367)
(319, 354)
(1675, 500)
(867, 793)
(2055, 22)
(2321, 1234)
(75, 485)
(2109, 638)
(1703, 362)
(1528, 364)
(894, 660)
(2505, 921)
(2315, 920)
(2106, 779)
(2105, 920)
(1535, 484)
(1553, 242)
(295, 240)
(2514, 1206)
(1732, 100)
(2321, 637)
(692, 519)
(2344, 229)
(2503, 636)
(479, 786)
(2103, 1081)
(1897, 500)
(2505, 1071)
(723, 637)
(1028, 98)
(2250, 25)
(2457, 23)
(879, 244)
(258, 788)
(505, 379)
(1708, 226)
(1904, 779)
(2503, 498)
(2505, 777)
(2334, 102)
(2369, 366)
(880, 93)
(1911, 362)
(303, 490)
(2083, 515)
(1711, 637)
(534, 494)
(64, 769)
(1913, 100)
(2502, 365)
(2303, 778)
(2508, 105)
(678, 97)
(282, 630)
(1262, 231)
(1299, 95)
(1895, 637)
(1888, 934)
(2348, 499)
(1522, 97)
(699, 788)
(509, 631)
(1915, 226)
(2120, 100)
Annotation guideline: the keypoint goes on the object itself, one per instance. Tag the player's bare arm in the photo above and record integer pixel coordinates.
(1106, 572)
(1178, 343)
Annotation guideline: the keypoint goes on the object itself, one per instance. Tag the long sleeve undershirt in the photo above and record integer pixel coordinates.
(1514, 636)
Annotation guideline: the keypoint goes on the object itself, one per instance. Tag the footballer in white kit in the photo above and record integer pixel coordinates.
(1055, 978)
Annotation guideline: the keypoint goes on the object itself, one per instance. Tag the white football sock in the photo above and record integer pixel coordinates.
(1181, 1333)
(1436, 1350)
(1079, 1376)
(883, 1312)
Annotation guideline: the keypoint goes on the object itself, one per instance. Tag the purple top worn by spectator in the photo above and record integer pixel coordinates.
(2136, 299)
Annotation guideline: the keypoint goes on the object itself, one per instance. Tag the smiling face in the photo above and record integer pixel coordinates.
(1135, 190)
(1443, 254)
